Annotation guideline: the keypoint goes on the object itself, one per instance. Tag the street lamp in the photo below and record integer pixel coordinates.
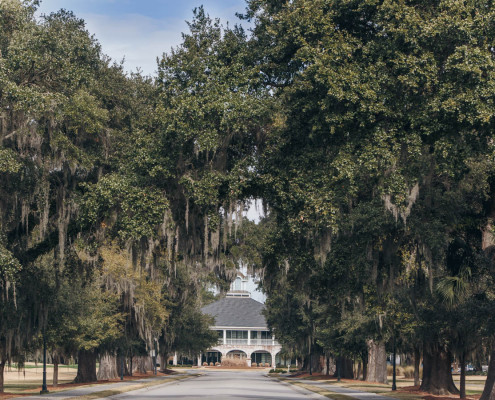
(44, 389)
(156, 354)
(394, 380)
(122, 366)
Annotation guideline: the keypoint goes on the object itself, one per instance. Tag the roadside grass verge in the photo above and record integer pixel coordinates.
(112, 392)
(323, 391)
(28, 386)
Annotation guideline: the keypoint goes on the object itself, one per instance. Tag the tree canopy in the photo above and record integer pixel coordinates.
(365, 127)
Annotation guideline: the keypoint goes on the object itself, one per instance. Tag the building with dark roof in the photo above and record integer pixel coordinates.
(242, 329)
(233, 311)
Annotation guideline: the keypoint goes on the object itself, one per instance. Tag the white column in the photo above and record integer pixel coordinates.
(248, 359)
(199, 360)
(273, 360)
(225, 336)
(175, 359)
(249, 338)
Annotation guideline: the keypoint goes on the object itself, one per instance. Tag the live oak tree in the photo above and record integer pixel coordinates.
(366, 128)
(52, 129)
(385, 108)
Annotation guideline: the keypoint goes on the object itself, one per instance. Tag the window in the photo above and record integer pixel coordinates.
(237, 334)
(237, 337)
(261, 337)
(266, 335)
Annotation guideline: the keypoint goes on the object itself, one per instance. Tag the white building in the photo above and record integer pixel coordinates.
(242, 329)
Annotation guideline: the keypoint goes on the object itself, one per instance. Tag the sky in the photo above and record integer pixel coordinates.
(141, 30)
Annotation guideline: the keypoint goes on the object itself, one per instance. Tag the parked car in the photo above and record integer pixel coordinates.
(469, 368)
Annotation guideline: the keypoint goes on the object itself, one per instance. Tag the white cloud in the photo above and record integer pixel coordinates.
(138, 38)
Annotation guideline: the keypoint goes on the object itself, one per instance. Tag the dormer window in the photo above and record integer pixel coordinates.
(237, 283)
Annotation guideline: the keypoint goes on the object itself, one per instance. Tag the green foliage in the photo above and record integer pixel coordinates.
(187, 330)
(97, 320)
(379, 156)
(137, 210)
(9, 162)
(365, 127)
(9, 266)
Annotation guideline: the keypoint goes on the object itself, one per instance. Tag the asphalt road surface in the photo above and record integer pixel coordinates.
(234, 385)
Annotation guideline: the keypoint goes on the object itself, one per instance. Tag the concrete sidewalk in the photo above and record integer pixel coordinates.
(114, 386)
(356, 394)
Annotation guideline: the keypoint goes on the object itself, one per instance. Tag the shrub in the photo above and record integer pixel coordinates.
(254, 364)
(217, 364)
(267, 364)
(398, 370)
(409, 372)
(234, 362)
(205, 364)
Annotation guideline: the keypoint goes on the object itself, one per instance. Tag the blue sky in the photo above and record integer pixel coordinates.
(141, 30)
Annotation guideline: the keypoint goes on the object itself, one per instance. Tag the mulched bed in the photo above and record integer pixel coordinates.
(428, 396)
(408, 389)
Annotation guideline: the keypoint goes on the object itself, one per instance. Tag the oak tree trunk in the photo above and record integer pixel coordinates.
(141, 364)
(437, 372)
(489, 390)
(163, 362)
(127, 371)
(55, 372)
(488, 243)
(346, 368)
(122, 364)
(312, 363)
(417, 362)
(2, 367)
(377, 362)
(108, 367)
(121, 367)
(329, 365)
(462, 385)
(86, 367)
(365, 369)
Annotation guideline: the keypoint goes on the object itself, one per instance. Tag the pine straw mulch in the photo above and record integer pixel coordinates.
(413, 390)
(428, 396)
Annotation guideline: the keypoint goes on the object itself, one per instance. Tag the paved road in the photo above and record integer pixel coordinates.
(238, 385)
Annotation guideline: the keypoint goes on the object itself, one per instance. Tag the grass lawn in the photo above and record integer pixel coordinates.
(29, 382)
(406, 391)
